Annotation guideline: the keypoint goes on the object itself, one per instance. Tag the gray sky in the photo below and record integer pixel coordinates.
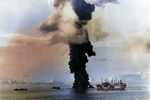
(124, 51)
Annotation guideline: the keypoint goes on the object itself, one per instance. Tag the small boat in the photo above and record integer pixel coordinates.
(22, 89)
(111, 86)
(56, 88)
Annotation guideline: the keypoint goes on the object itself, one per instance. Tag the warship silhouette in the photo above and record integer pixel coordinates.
(111, 85)
(22, 89)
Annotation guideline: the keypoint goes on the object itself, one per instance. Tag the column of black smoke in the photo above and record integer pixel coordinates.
(78, 52)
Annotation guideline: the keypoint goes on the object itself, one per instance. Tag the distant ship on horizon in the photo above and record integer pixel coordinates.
(111, 85)
(22, 89)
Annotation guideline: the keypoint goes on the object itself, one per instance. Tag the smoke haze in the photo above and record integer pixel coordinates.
(25, 54)
(61, 22)
(139, 44)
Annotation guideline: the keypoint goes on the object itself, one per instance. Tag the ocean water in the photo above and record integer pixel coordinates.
(44, 92)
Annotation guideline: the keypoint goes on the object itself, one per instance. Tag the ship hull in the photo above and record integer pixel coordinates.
(111, 87)
(20, 89)
(122, 88)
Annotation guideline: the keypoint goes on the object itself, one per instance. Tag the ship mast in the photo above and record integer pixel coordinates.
(106, 80)
(112, 82)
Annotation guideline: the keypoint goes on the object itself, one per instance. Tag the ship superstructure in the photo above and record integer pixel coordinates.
(111, 85)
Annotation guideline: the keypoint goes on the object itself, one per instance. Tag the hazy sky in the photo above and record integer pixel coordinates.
(124, 50)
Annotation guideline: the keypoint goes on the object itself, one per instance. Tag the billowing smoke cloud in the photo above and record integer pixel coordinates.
(95, 31)
(60, 26)
(82, 9)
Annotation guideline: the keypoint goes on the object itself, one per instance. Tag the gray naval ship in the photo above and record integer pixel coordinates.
(111, 85)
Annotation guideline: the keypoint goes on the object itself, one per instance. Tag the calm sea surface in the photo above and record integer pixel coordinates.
(44, 92)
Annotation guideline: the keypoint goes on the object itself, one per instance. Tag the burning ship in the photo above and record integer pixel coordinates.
(111, 85)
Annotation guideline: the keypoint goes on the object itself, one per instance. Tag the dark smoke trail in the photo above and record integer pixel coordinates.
(78, 52)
